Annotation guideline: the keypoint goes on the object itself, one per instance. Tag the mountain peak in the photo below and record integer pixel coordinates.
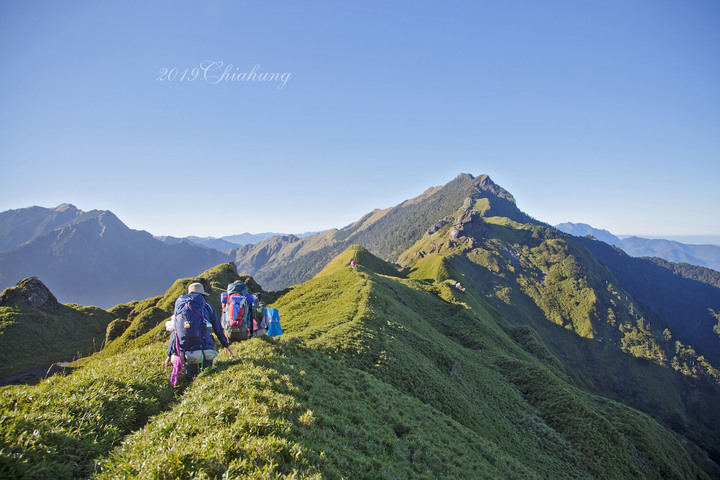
(363, 259)
(66, 206)
(485, 184)
(31, 291)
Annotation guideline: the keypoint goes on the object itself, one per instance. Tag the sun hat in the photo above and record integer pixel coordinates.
(197, 288)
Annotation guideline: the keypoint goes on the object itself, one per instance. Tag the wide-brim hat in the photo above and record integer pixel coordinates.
(197, 288)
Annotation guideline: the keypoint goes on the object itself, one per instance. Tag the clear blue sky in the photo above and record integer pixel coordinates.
(603, 112)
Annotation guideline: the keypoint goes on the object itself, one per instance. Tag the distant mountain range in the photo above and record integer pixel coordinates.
(92, 258)
(227, 242)
(672, 251)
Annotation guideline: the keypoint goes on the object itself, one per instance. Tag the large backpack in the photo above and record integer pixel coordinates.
(236, 309)
(192, 330)
(190, 323)
(273, 317)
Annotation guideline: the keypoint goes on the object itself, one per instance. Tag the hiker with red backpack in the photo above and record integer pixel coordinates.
(191, 343)
(237, 312)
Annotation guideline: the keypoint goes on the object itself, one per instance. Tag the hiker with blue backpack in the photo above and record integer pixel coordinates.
(191, 343)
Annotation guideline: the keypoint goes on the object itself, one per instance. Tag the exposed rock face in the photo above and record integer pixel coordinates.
(468, 225)
(437, 226)
(37, 294)
(33, 292)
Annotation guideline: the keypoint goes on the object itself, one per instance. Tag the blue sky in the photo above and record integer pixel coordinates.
(602, 112)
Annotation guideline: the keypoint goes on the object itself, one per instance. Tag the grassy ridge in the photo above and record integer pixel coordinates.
(278, 263)
(283, 410)
(411, 339)
(535, 276)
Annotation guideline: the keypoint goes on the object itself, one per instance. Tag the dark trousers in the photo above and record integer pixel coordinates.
(192, 369)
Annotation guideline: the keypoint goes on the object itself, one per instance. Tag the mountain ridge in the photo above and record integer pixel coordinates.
(228, 242)
(468, 244)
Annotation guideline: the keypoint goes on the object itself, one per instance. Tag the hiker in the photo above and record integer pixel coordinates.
(237, 312)
(352, 263)
(259, 318)
(191, 344)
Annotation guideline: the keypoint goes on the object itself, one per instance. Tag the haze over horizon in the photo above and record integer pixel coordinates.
(305, 117)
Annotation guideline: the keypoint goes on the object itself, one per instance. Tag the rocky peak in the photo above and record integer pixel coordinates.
(485, 184)
(32, 292)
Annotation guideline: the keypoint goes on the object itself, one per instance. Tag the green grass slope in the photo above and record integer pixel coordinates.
(377, 376)
(63, 426)
(32, 337)
(407, 334)
(284, 410)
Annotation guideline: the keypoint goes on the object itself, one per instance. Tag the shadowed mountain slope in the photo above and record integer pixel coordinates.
(681, 297)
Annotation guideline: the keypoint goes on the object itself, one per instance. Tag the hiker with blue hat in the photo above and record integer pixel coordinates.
(191, 343)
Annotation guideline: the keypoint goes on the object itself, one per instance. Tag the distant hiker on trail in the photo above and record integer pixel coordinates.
(352, 263)
(191, 343)
(237, 312)
(260, 320)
